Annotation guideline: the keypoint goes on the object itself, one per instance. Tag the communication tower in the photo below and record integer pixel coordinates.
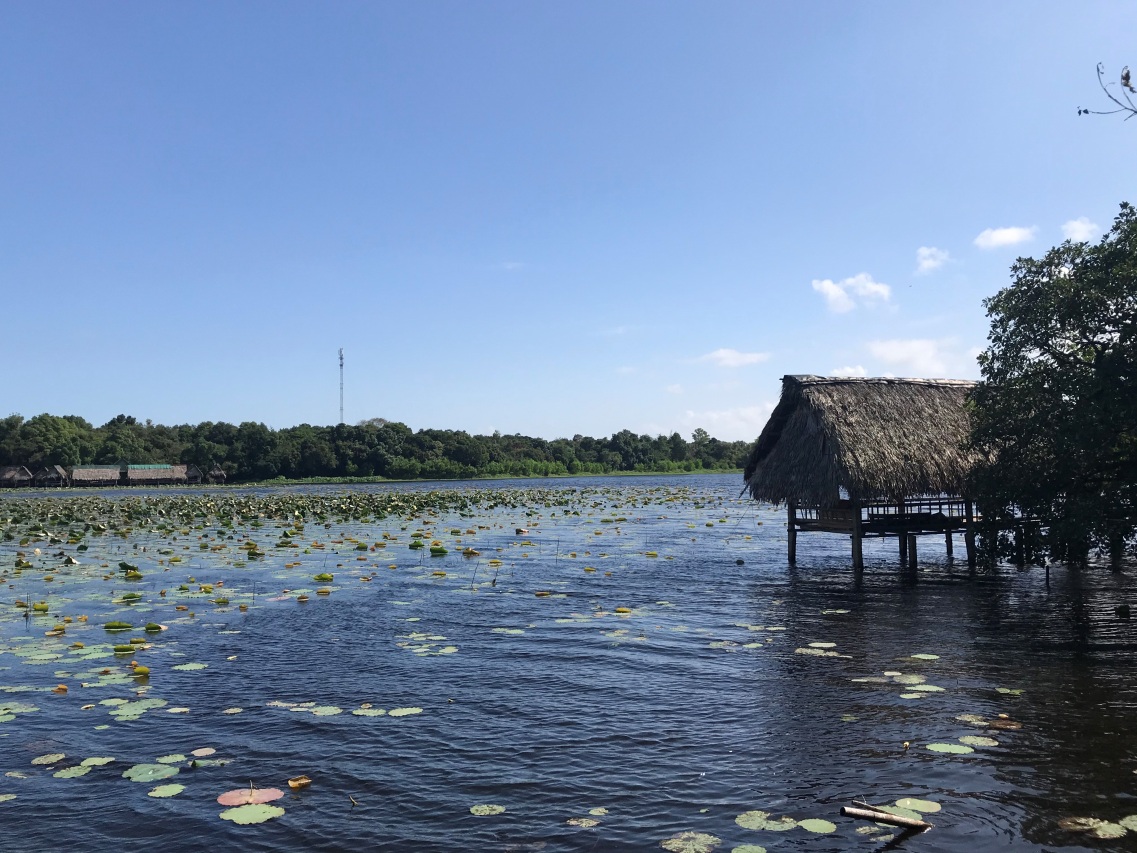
(341, 385)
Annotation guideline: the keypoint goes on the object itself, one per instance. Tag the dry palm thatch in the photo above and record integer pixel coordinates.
(879, 439)
(149, 475)
(15, 475)
(95, 475)
(51, 475)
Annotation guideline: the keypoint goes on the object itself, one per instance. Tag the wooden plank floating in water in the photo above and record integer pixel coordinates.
(884, 817)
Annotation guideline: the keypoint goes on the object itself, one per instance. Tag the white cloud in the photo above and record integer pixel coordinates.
(743, 423)
(674, 389)
(1079, 230)
(994, 238)
(929, 258)
(855, 370)
(733, 358)
(839, 294)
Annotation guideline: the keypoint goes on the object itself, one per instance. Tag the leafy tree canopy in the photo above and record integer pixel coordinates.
(1055, 418)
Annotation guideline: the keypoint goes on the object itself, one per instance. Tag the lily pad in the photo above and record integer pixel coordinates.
(175, 758)
(403, 712)
(50, 758)
(149, 772)
(922, 806)
(72, 772)
(691, 842)
(163, 791)
(96, 761)
(761, 820)
(585, 822)
(486, 809)
(924, 656)
(816, 824)
(5, 797)
(249, 796)
(252, 813)
(953, 748)
(751, 848)
(978, 740)
(189, 667)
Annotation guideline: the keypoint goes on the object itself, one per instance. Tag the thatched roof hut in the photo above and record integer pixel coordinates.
(51, 475)
(189, 474)
(12, 476)
(150, 475)
(216, 474)
(876, 439)
(96, 475)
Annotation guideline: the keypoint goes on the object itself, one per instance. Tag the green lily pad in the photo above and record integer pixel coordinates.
(163, 791)
(403, 712)
(327, 711)
(72, 772)
(96, 761)
(482, 810)
(189, 667)
(924, 656)
(149, 772)
(978, 740)
(175, 758)
(5, 797)
(1129, 822)
(50, 758)
(761, 820)
(748, 848)
(953, 748)
(816, 824)
(369, 712)
(922, 806)
(252, 813)
(691, 842)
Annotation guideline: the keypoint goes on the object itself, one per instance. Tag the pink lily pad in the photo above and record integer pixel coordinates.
(249, 796)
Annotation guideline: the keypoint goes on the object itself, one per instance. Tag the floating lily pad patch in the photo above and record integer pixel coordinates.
(761, 820)
(584, 822)
(403, 712)
(951, 748)
(50, 758)
(189, 667)
(252, 813)
(175, 758)
(1096, 827)
(817, 825)
(96, 761)
(917, 805)
(749, 848)
(486, 809)
(164, 791)
(72, 772)
(6, 797)
(924, 656)
(150, 772)
(978, 740)
(246, 796)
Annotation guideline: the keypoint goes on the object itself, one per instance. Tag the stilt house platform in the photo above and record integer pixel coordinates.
(868, 458)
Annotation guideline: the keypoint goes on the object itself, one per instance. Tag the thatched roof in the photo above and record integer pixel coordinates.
(95, 474)
(149, 473)
(14, 475)
(875, 438)
(50, 473)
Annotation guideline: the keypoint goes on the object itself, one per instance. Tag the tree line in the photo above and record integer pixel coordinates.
(250, 452)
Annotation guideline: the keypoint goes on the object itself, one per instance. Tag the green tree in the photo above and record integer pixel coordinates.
(1055, 418)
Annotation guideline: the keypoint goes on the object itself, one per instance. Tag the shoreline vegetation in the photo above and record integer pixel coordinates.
(375, 450)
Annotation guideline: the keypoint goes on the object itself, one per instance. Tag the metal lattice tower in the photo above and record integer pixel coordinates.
(341, 385)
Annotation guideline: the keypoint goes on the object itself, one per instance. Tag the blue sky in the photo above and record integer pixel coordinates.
(545, 218)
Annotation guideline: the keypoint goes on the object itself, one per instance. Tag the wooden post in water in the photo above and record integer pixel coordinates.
(949, 544)
(900, 536)
(969, 534)
(912, 551)
(858, 556)
(1020, 546)
(791, 532)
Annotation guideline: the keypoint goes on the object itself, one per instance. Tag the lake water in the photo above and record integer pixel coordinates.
(639, 664)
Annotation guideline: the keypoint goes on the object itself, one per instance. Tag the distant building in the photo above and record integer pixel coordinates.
(216, 475)
(187, 474)
(13, 476)
(52, 475)
(150, 475)
(96, 475)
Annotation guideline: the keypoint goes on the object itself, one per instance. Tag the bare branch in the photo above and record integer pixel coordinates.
(1123, 106)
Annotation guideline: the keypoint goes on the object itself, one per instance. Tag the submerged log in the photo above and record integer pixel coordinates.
(884, 817)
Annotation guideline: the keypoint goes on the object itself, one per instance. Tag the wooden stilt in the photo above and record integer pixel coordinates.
(969, 534)
(1020, 546)
(948, 544)
(912, 551)
(858, 555)
(791, 532)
